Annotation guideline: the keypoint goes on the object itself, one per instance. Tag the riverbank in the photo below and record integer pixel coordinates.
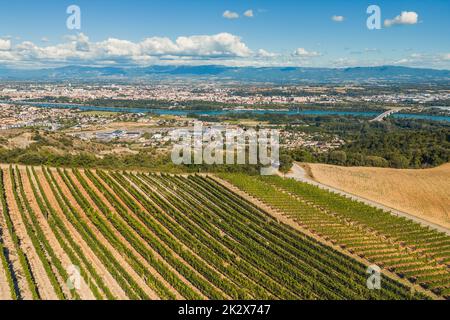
(183, 112)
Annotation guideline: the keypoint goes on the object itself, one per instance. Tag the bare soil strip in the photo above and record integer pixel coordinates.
(168, 232)
(280, 216)
(84, 290)
(4, 286)
(43, 284)
(154, 272)
(174, 193)
(20, 281)
(11, 253)
(117, 255)
(5, 294)
(192, 198)
(153, 295)
(109, 281)
(110, 207)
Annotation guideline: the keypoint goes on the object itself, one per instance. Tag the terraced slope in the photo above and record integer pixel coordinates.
(420, 254)
(122, 235)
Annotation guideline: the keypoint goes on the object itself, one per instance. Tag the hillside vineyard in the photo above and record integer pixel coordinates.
(133, 235)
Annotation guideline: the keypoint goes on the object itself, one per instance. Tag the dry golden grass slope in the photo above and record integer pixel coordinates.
(423, 193)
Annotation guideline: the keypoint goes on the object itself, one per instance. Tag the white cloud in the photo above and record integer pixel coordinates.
(45, 39)
(79, 49)
(302, 52)
(402, 61)
(230, 14)
(249, 13)
(429, 60)
(81, 42)
(220, 49)
(406, 17)
(219, 45)
(338, 18)
(266, 54)
(5, 44)
(118, 48)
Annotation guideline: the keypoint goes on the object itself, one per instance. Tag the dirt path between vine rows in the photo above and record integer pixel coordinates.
(20, 281)
(177, 294)
(5, 294)
(43, 283)
(101, 270)
(116, 254)
(148, 290)
(156, 254)
(84, 290)
(174, 236)
(280, 216)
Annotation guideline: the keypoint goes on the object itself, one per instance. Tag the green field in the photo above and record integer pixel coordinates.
(412, 251)
(135, 235)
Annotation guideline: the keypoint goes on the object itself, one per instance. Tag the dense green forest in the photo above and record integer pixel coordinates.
(395, 143)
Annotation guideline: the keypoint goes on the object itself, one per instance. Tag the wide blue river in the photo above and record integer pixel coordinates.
(179, 112)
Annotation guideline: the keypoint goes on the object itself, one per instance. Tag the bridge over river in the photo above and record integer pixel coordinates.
(386, 114)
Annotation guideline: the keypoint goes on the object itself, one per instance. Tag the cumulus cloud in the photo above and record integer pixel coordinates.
(221, 48)
(219, 45)
(403, 61)
(338, 18)
(78, 48)
(425, 59)
(5, 44)
(266, 54)
(230, 14)
(81, 42)
(249, 13)
(302, 52)
(406, 17)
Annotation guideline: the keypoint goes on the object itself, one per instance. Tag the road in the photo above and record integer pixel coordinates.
(299, 174)
(385, 114)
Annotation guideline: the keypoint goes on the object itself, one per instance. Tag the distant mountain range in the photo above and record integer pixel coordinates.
(286, 75)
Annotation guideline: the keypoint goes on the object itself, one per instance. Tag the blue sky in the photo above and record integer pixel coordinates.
(283, 32)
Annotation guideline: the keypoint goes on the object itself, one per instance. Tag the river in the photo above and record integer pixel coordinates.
(180, 112)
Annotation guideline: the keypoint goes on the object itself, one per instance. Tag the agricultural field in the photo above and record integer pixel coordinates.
(424, 193)
(415, 253)
(94, 234)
